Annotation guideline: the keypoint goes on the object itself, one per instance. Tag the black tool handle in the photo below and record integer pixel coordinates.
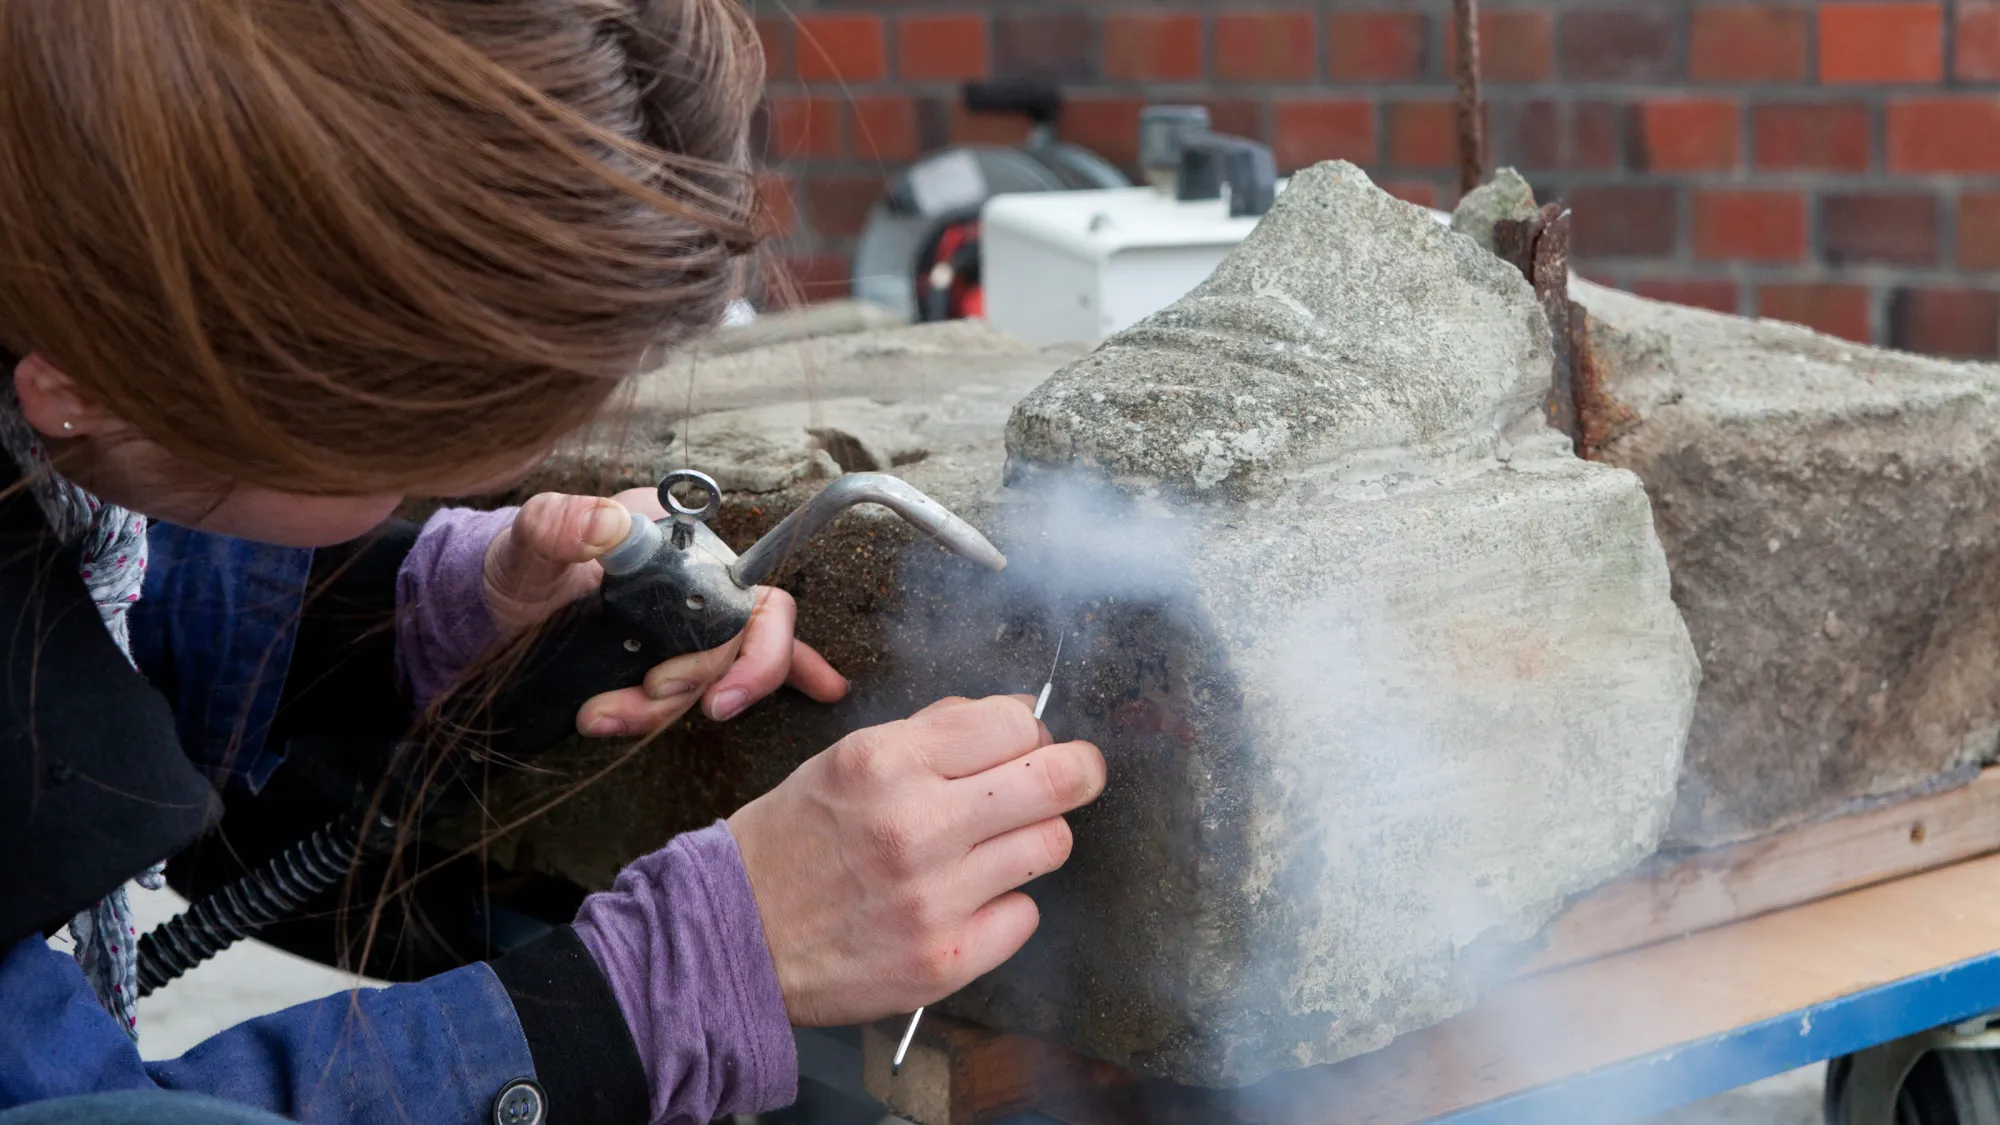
(682, 601)
(580, 654)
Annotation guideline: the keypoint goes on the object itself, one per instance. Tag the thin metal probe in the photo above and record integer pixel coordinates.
(1041, 703)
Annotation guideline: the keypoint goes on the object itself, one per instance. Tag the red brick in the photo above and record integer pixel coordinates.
(1979, 231)
(1963, 323)
(1595, 136)
(1978, 41)
(1150, 45)
(1524, 134)
(1836, 310)
(1750, 226)
(1235, 117)
(1811, 138)
(841, 47)
(777, 213)
(1881, 42)
(885, 127)
(1697, 293)
(1944, 135)
(1885, 229)
(963, 127)
(1689, 136)
(838, 205)
(803, 127)
(1108, 127)
(935, 48)
(1374, 46)
(1515, 45)
(1305, 132)
(1059, 46)
(1423, 135)
(1618, 221)
(1637, 42)
(1747, 43)
(775, 36)
(1265, 47)
(808, 279)
(1422, 193)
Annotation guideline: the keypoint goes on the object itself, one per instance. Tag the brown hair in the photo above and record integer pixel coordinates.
(346, 247)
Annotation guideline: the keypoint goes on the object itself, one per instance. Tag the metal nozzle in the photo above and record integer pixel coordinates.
(924, 513)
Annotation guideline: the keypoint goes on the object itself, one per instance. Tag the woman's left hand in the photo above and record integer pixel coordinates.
(546, 559)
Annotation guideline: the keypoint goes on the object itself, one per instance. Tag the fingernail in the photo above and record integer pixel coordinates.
(607, 525)
(604, 727)
(730, 703)
(669, 689)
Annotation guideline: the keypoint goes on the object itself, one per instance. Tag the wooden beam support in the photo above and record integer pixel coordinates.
(1777, 925)
(1713, 888)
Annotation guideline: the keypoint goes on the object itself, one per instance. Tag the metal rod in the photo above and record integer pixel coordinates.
(903, 1048)
(1471, 107)
(921, 511)
(1041, 703)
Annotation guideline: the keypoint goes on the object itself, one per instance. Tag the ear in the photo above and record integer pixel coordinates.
(52, 403)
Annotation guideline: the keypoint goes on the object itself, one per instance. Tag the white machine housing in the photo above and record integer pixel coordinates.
(1076, 266)
(1071, 266)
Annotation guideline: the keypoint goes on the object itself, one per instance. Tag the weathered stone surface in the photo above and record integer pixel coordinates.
(1829, 512)
(1382, 672)
(1506, 196)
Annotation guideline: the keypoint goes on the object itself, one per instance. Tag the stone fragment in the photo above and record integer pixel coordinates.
(1383, 674)
(834, 318)
(1505, 196)
(1831, 514)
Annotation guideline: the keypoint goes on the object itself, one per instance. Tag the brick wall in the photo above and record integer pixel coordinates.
(1834, 163)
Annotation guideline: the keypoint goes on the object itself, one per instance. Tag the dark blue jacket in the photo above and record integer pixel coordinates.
(100, 776)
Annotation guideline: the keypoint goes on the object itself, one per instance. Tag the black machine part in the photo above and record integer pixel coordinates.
(671, 587)
(1210, 162)
(1039, 101)
(1162, 131)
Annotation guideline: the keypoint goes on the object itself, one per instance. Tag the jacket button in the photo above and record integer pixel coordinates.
(520, 1102)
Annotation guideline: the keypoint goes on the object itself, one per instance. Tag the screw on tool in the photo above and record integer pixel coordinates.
(1041, 703)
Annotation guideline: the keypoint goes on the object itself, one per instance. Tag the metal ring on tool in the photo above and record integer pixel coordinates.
(700, 480)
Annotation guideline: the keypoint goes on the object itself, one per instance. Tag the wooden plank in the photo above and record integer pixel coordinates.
(1730, 884)
(1581, 1019)
(1601, 948)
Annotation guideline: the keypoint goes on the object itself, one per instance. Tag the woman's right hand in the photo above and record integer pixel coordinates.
(885, 869)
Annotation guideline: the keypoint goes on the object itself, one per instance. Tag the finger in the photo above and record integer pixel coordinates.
(551, 534)
(974, 737)
(764, 661)
(1006, 862)
(994, 933)
(631, 712)
(643, 502)
(951, 701)
(676, 685)
(1045, 783)
(814, 675)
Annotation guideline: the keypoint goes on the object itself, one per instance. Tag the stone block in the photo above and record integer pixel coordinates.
(1831, 515)
(1383, 673)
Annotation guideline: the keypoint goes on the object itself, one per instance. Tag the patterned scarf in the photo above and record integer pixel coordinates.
(113, 569)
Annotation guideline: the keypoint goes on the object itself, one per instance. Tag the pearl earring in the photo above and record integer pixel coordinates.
(68, 426)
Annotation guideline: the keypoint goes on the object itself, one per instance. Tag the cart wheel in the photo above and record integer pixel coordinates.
(1940, 1087)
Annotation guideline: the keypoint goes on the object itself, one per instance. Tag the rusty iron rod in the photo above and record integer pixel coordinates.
(1471, 110)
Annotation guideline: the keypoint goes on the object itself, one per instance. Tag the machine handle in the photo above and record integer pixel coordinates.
(1209, 161)
(1038, 100)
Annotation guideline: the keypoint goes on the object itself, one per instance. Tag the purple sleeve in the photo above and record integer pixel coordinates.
(679, 938)
(443, 622)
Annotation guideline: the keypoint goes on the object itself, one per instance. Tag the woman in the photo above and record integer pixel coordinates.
(271, 266)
